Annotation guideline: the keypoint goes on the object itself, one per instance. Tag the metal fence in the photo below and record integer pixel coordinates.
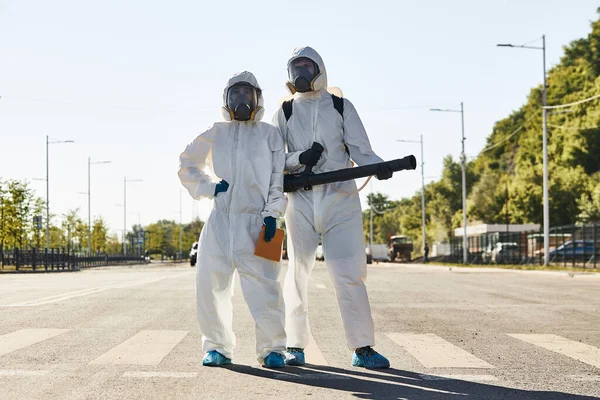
(59, 260)
(571, 245)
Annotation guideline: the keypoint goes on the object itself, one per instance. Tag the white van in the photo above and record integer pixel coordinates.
(379, 252)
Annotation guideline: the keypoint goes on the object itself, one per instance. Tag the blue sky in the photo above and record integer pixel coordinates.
(134, 81)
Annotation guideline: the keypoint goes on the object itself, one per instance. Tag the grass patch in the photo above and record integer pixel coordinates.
(525, 267)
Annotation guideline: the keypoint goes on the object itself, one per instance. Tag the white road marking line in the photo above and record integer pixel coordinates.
(26, 337)
(434, 352)
(460, 377)
(23, 372)
(313, 354)
(80, 293)
(145, 348)
(151, 374)
(579, 351)
(51, 298)
(321, 286)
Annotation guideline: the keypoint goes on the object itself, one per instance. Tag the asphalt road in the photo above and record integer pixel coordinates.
(131, 333)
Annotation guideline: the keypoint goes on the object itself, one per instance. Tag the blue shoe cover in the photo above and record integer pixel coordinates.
(273, 360)
(295, 356)
(214, 358)
(368, 358)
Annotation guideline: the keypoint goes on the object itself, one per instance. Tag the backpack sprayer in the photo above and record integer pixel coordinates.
(308, 179)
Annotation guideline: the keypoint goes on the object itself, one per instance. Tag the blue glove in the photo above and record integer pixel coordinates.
(221, 187)
(270, 227)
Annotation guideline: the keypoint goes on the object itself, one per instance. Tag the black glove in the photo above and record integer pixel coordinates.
(384, 172)
(309, 157)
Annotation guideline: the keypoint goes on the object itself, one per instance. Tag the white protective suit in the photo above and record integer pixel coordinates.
(332, 210)
(250, 157)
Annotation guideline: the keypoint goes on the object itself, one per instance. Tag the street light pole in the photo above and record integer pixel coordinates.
(424, 228)
(463, 157)
(89, 210)
(423, 223)
(47, 196)
(125, 216)
(48, 143)
(463, 162)
(545, 148)
(545, 162)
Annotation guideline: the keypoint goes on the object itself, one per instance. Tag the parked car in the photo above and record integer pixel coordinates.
(486, 255)
(575, 250)
(504, 253)
(193, 254)
(399, 248)
(320, 256)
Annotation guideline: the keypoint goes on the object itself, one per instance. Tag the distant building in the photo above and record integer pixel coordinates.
(482, 229)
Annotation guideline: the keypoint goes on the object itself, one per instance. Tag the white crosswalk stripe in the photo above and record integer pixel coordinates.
(26, 337)
(150, 347)
(570, 348)
(314, 355)
(434, 352)
(145, 348)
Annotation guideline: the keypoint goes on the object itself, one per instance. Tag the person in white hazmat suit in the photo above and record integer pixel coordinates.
(248, 156)
(314, 115)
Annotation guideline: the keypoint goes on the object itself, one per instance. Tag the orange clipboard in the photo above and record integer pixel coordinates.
(270, 250)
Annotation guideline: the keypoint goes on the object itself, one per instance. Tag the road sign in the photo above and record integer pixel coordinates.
(37, 221)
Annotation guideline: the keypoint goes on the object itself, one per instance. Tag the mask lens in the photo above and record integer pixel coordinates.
(301, 73)
(241, 94)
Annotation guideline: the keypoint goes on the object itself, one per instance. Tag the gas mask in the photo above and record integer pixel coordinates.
(302, 74)
(242, 99)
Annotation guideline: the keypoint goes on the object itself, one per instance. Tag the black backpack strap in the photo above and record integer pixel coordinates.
(338, 104)
(287, 108)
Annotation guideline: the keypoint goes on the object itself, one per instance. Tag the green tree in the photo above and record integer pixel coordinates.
(589, 202)
(71, 221)
(162, 238)
(113, 245)
(3, 212)
(99, 235)
(490, 197)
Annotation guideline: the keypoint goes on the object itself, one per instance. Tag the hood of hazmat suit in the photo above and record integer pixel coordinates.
(249, 155)
(256, 109)
(332, 210)
(317, 78)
